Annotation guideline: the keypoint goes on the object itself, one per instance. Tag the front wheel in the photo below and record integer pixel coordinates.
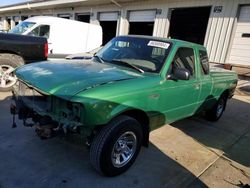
(216, 112)
(116, 146)
(8, 63)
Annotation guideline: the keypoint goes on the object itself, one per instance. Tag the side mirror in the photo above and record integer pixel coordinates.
(180, 74)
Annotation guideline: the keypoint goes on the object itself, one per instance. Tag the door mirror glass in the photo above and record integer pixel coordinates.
(183, 65)
(181, 74)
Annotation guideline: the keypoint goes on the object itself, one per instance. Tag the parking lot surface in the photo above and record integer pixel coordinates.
(190, 153)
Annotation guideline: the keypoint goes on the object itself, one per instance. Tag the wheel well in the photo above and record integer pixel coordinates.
(8, 52)
(16, 58)
(143, 119)
(225, 93)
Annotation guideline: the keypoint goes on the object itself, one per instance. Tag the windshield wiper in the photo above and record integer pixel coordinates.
(99, 58)
(127, 64)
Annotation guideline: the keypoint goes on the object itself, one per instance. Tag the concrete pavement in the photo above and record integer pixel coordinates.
(190, 153)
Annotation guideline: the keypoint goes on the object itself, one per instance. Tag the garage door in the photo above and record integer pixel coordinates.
(66, 16)
(142, 16)
(240, 52)
(108, 16)
(108, 21)
(141, 22)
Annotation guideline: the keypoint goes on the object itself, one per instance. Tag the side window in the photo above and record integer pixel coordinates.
(184, 58)
(204, 62)
(41, 31)
(44, 31)
(34, 32)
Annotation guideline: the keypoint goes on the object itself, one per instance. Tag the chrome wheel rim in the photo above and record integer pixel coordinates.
(124, 149)
(220, 107)
(7, 76)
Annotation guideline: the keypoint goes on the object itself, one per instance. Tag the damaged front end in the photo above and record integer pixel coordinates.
(49, 114)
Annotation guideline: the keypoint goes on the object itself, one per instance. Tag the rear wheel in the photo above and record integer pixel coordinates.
(216, 112)
(8, 63)
(116, 146)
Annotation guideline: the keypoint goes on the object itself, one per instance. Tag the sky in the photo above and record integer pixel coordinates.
(9, 2)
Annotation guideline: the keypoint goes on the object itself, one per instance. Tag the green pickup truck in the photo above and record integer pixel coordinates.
(132, 86)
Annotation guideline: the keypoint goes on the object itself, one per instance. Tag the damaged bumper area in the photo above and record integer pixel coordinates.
(48, 113)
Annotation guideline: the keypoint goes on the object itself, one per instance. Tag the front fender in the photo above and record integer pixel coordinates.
(101, 112)
(127, 106)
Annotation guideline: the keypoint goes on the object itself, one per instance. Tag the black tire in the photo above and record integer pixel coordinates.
(216, 112)
(105, 142)
(8, 61)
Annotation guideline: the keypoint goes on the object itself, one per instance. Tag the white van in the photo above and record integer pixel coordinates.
(1, 26)
(64, 36)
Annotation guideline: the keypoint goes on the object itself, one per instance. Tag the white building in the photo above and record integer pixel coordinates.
(223, 26)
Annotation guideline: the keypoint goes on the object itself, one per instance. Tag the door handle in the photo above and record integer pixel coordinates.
(196, 86)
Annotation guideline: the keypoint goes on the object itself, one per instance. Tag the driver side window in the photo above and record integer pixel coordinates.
(41, 31)
(184, 58)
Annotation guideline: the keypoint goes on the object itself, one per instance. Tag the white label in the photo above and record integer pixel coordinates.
(159, 44)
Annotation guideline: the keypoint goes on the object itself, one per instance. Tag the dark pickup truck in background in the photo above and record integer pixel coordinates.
(17, 50)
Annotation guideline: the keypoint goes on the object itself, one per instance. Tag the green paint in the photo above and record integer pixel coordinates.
(103, 90)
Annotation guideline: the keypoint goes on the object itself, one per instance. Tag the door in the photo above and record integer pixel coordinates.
(189, 24)
(83, 17)
(141, 22)
(108, 21)
(65, 16)
(241, 42)
(179, 98)
(205, 98)
(42, 31)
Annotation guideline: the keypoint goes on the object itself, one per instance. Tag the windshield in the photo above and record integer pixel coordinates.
(146, 54)
(22, 27)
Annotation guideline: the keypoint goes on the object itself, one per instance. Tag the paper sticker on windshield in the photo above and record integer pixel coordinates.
(159, 44)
